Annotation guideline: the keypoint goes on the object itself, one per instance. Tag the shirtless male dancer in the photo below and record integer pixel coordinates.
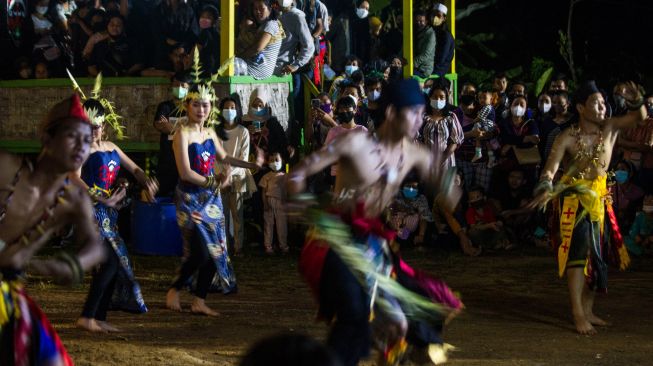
(35, 202)
(585, 150)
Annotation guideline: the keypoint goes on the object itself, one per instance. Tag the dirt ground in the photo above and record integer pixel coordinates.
(517, 314)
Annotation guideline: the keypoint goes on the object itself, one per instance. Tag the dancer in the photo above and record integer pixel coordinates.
(583, 208)
(99, 176)
(199, 206)
(351, 277)
(35, 202)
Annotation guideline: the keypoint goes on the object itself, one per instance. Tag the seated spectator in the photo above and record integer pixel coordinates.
(637, 146)
(49, 33)
(423, 46)
(396, 68)
(41, 70)
(444, 40)
(559, 119)
(544, 103)
(23, 68)
(476, 172)
(175, 23)
(410, 213)
(510, 199)
(484, 227)
(260, 58)
(115, 56)
(442, 132)
(640, 236)
(178, 60)
(352, 64)
(378, 66)
(345, 112)
(626, 195)
(373, 90)
(79, 24)
(558, 83)
(208, 40)
(517, 131)
(322, 120)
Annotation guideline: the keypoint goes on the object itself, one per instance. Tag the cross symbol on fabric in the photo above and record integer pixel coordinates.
(568, 213)
(565, 247)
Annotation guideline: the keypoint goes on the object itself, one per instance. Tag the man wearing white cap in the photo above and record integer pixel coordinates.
(444, 40)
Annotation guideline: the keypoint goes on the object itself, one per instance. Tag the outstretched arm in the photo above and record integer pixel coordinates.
(151, 186)
(230, 160)
(318, 161)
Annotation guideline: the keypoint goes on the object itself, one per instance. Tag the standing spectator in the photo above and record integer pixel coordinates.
(176, 22)
(314, 20)
(424, 46)
(260, 58)
(166, 121)
(500, 85)
(352, 64)
(444, 40)
(209, 39)
(322, 120)
(392, 34)
(359, 31)
(265, 130)
(442, 132)
(374, 89)
(273, 186)
(345, 112)
(235, 145)
(558, 121)
(115, 56)
(376, 42)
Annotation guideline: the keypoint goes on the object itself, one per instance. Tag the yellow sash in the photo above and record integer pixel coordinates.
(593, 205)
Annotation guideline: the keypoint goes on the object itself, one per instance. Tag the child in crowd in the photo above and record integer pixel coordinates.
(273, 193)
(640, 237)
(485, 121)
(484, 227)
(510, 202)
(410, 213)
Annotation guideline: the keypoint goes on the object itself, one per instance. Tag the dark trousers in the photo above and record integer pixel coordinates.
(199, 260)
(342, 297)
(104, 281)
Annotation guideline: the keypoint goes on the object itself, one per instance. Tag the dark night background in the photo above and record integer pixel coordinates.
(611, 39)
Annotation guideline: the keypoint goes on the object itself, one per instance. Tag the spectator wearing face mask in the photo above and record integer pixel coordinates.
(560, 117)
(345, 111)
(444, 39)
(166, 120)
(618, 102)
(351, 64)
(517, 131)
(241, 184)
(273, 186)
(208, 40)
(637, 146)
(424, 45)
(626, 195)
(640, 236)
(359, 31)
(115, 55)
(410, 214)
(373, 89)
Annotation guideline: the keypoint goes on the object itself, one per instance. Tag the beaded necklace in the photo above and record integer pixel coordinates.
(47, 212)
(589, 154)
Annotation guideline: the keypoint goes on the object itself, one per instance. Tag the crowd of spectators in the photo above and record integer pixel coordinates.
(496, 136)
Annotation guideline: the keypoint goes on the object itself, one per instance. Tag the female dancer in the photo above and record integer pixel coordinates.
(99, 175)
(199, 206)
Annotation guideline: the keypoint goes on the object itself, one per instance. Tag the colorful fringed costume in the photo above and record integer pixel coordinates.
(588, 235)
(26, 335)
(357, 278)
(100, 173)
(200, 217)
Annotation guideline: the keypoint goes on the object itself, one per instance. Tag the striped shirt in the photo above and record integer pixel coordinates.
(438, 134)
(270, 53)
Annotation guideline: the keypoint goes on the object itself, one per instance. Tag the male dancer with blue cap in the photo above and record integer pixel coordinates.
(360, 282)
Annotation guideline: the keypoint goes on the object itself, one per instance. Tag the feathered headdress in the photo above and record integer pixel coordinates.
(110, 116)
(205, 90)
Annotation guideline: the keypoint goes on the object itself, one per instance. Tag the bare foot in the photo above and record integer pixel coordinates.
(90, 324)
(583, 326)
(595, 320)
(199, 307)
(172, 300)
(107, 327)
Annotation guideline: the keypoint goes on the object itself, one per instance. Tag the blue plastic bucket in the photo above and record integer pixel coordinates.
(154, 228)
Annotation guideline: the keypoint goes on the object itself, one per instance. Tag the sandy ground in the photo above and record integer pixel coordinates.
(517, 314)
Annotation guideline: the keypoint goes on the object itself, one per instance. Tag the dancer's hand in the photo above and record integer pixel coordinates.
(117, 196)
(539, 201)
(260, 157)
(633, 93)
(151, 186)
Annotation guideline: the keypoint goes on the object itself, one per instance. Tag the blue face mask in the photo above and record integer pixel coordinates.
(349, 69)
(426, 91)
(621, 176)
(229, 115)
(259, 112)
(409, 192)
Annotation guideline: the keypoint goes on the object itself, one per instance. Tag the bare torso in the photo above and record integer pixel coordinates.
(587, 155)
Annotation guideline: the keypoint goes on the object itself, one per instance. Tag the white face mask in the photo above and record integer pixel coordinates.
(275, 166)
(374, 95)
(41, 10)
(546, 107)
(286, 3)
(518, 111)
(438, 104)
(362, 13)
(229, 115)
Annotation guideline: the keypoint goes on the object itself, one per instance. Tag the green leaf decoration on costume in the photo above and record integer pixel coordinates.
(76, 87)
(95, 94)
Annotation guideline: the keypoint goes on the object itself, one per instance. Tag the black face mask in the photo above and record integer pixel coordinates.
(345, 117)
(467, 99)
(395, 72)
